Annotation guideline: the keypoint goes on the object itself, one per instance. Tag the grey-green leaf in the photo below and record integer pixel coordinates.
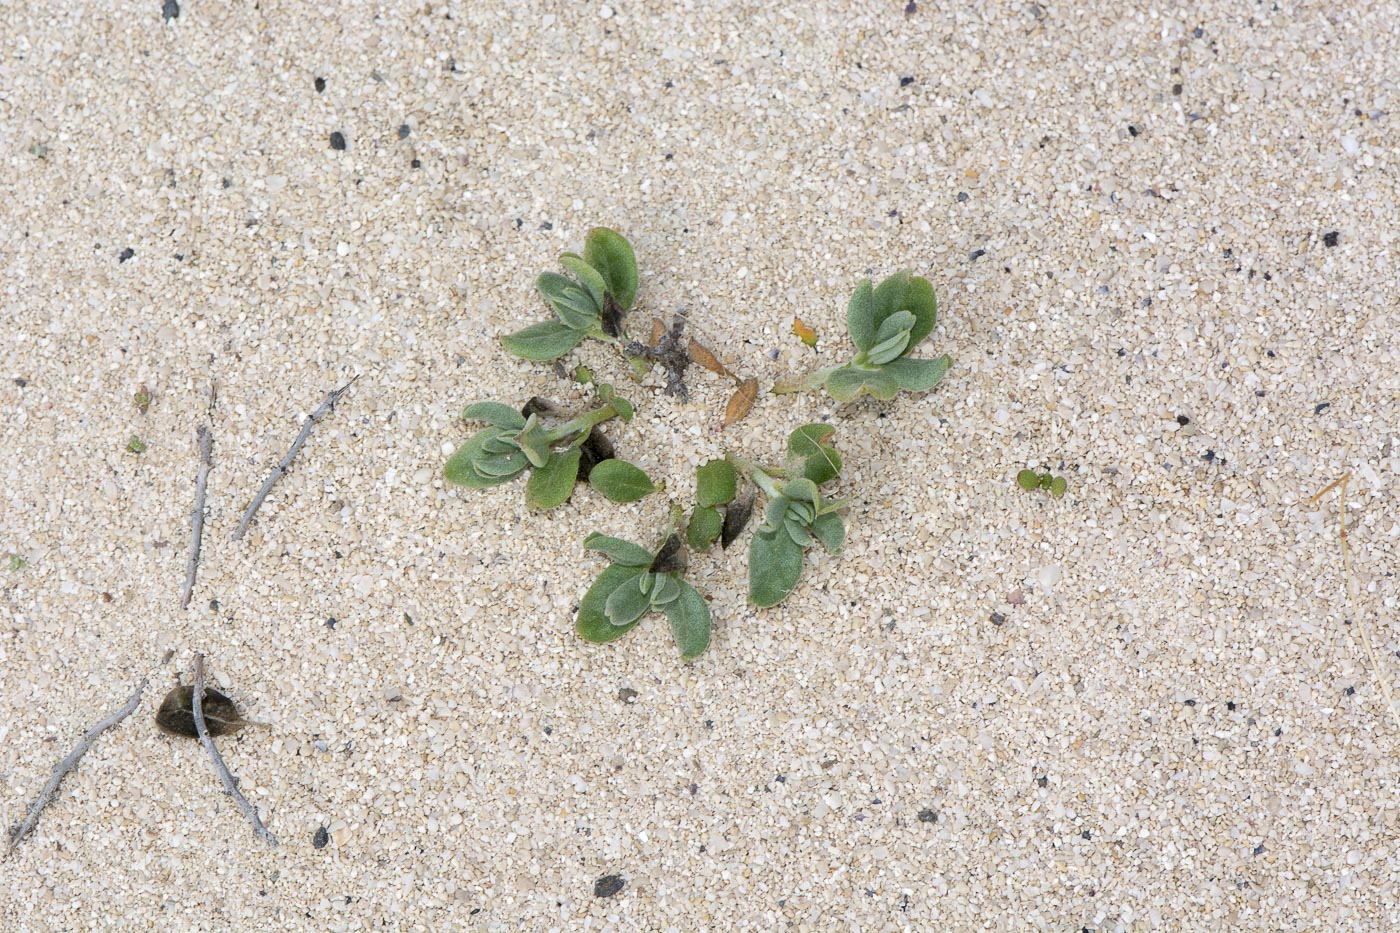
(461, 467)
(689, 616)
(830, 529)
(918, 375)
(507, 466)
(592, 622)
(546, 340)
(860, 316)
(848, 382)
(620, 481)
(550, 485)
(626, 605)
(704, 527)
(610, 253)
(797, 532)
(577, 310)
(589, 276)
(775, 564)
(803, 490)
(897, 323)
(823, 467)
(494, 413)
(622, 552)
(715, 483)
(666, 590)
(809, 439)
(886, 350)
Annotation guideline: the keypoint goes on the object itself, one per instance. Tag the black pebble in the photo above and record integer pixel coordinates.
(1320, 407)
(126, 254)
(1132, 130)
(997, 618)
(1183, 420)
(977, 254)
(1198, 32)
(905, 81)
(1086, 835)
(1351, 691)
(962, 196)
(170, 10)
(415, 164)
(404, 131)
(608, 885)
(21, 382)
(320, 838)
(1176, 90)
(927, 816)
(1329, 238)
(1042, 782)
(320, 85)
(338, 141)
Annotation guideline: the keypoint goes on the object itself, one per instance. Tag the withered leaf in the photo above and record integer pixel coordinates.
(595, 449)
(176, 714)
(740, 402)
(672, 557)
(658, 330)
(803, 332)
(736, 516)
(701, 354)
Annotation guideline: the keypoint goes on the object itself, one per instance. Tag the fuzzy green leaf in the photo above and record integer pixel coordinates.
(534, 441)
(551, 484)
(546, 340)
(809, 439)
(620, 481)
(919, 298)
(802, 490)
(622, 552)
(704, 527)
(1028, 479)
(715, 483)
(895, 324)
(665, 591)
(797, 532)
(589, 276)
(461, 467)
(823, 467)
(508, 465)
(494, 413)
(627, 604)
(860, 316)
(918, 375)
(689, 616)
(1058, 486)
(775, 512)
(888, 350)
(775, 564)
(830, 529)
(592, 622)
(848, 382)
(610, 253)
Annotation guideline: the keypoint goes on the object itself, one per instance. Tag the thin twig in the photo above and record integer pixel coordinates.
(1361, 625)
(69, 763)
(286, 463)
(230, 785)
(206, 450)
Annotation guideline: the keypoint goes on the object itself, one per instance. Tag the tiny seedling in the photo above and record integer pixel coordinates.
(135, 445)
(17, 563)
(886, 323)
(557, 454)
(591, 304)
(638, 582)
(1030, 479)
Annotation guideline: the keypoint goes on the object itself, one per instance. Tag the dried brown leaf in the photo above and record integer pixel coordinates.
(803, 332)
(176, 714)
(740, 402)
(658, 330)
(701, 354)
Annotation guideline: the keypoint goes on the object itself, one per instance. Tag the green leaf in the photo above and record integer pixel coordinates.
(860, 316)
(508, 466)
(775, 564)
(689, 616)
(627, 604)
(1058, 486)
(623, 408)
(546, 340)
(666, 590)
(622, 552)
(589, 276)
(494, 413)
(809, 439)
(919, 298)
(918, 375)
(576, 309)
(797, 532)
(1027, 479)
(895, 324)
(670, 557)
(534, 441)
(610, 253)
(620, 481)
(890, 298)
(461, 466)
(551, 484)
(1045, 480)
(775, 512)
(823, 467)
(846, 383)
(592, 622)
(830, 529)
(715, 483)
(887, 350)
(705, 526)
(802, 490)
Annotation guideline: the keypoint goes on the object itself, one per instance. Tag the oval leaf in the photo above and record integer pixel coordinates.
(622, 552)
(1028, 479)
(699, 353)
(461, 466)
(551, 484)
(823, 467)
(830, 529)
(546, 340)
(589, 276)
(502, 416)
(689, 616)
(666, 590)
(809, 439)
(715, 483)
(626, 605)
(592, 622)
(1058, 486)
(918, 375)
(705, 526)
(620, 481)
(740, 402)
(896, 323)
(887, 350)
(610, 253)
(860, 316)
(775, 564)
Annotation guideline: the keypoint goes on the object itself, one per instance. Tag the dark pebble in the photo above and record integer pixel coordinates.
(1320, 407)
(911, 8)
(905, 81)
(997, 618)
(21, 382)
(1042, 782)
(170, 10)
(1208, 456)
(1351, 691)
(608, 885)
(627, 695)
(1259, 849)
(927, 816)
(1176, 90)
(338, 141)
(404, 131)
(1230, 706)
(1086, 835)
(1329, 238)
(976, 254)
(126, 254)
(1198, 32)
(1183, 420)
(320, 85)
(320, 838)
(415, 164)
(1132, 130)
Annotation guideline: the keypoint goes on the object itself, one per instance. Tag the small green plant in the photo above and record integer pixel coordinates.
(638, 582)
(136, 446)
(886, 323)
(591, 304)
(17, 563)
(557, 454)
(1030, 479)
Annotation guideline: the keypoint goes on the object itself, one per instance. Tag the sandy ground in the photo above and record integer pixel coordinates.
(1165, 250)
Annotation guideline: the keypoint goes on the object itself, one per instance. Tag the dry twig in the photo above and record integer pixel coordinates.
(286, 463)
(206, 450)
(230, 785)
(68, 764)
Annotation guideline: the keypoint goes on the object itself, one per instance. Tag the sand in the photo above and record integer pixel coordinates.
(1165, 252)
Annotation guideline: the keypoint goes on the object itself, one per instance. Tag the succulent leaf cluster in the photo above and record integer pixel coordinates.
(639, 582)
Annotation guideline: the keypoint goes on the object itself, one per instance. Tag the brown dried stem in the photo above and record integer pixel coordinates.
(201, 482)
(230, 785)
(68, 764)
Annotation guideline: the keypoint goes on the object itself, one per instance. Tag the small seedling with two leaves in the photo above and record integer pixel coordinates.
(638, 582)
(556, 454)
(886, 323)
(1030, 479)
